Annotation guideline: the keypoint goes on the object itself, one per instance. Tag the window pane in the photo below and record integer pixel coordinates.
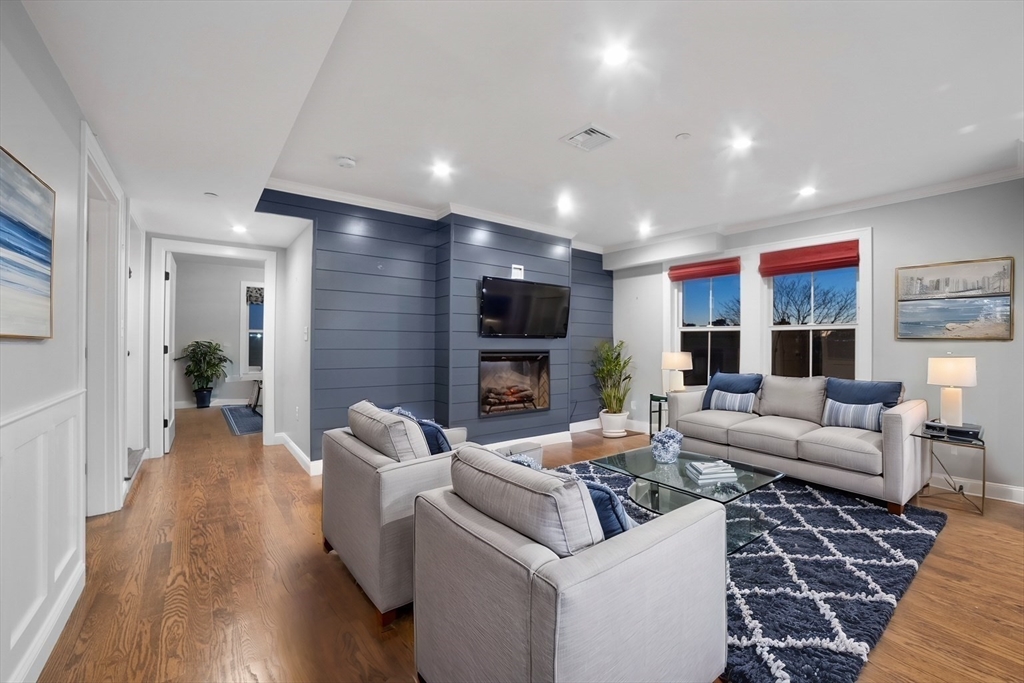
(833, 353)
(255, 316)
(256, 350)
(791, 299)
(790, 353)
(697, 344)
(835, 296)
(725, 352)
(725, 299)
(696, 302)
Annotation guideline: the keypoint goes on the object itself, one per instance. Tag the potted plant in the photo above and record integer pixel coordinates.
(611, 370)
(206, 361)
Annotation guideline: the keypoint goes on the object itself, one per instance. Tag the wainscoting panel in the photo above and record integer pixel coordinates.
(42, 530)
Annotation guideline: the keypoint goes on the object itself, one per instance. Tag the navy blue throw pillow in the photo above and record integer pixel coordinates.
(437, 440)
(863, 393)
(610, 512)
(732, 383)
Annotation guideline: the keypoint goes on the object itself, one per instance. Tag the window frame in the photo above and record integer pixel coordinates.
(246, 372)
(677, 305)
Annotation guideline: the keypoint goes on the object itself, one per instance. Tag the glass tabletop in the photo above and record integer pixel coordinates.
(640, 464)
(946, 439)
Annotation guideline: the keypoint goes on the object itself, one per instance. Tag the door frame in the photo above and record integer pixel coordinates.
(159, 247)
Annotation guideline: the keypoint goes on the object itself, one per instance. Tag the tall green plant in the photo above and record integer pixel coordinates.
(206, 361)
(611, 370)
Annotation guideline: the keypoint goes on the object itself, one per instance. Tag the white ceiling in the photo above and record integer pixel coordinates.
(188, 97)
(860, 99)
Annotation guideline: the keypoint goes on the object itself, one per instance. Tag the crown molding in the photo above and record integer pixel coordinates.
(349, 198)
(664, 238)
(494, 217)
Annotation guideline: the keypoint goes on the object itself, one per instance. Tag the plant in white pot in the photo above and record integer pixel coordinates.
(611, 370)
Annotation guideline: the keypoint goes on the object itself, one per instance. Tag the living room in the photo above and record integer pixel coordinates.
(635, 159)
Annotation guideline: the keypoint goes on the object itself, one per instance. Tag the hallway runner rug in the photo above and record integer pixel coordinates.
(242, 420)
(809, 599)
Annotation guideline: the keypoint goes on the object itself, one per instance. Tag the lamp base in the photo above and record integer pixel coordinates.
(675, 381)
(951, 411)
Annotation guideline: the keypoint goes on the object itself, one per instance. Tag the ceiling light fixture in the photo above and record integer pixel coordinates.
(564, 203)
(238, 228)
(683, 136)
(645, 228)
(807, 191)
(346, 162)
(212, 195)
(616, 55)
(741, 143)
(441, 169)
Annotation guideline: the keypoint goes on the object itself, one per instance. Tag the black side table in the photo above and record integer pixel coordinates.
(657, 405)
(973, 444)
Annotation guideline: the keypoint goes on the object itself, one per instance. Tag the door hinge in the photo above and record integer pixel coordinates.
(165, 423)
(165, 348)
(167, 275)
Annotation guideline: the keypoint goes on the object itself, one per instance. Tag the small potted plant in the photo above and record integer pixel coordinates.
(611, 370)
(206, 361)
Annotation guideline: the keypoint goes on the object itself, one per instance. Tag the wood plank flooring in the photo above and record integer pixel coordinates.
(214, 571)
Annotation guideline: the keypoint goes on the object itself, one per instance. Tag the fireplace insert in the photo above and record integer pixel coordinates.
(514, 382)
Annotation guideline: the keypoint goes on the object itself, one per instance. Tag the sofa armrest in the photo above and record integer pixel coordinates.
(905, 465)
(683, 403)
(663, 587)
(456, 436)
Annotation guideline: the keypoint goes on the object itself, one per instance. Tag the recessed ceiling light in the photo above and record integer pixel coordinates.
(683, 136)
(616, 55)
(346, 162)
(238, 228)
(645, 227)
(211, 194)
(741, 143)
(564, 203)
(807, 191)
(441, 169)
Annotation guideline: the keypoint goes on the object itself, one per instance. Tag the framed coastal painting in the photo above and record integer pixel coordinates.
(26, 251)
(956, 300)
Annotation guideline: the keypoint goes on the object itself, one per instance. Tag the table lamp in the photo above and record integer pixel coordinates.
(675, 362)
(951, 373)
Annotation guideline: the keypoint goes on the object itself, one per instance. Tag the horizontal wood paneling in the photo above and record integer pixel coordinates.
(590, 321)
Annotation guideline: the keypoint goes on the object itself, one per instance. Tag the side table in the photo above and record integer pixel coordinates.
(657, 405)
(953, 442)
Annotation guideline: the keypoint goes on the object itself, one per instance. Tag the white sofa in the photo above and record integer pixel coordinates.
(785, 433)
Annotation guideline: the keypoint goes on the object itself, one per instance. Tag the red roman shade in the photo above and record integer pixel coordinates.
(694, 271)
(807, 259)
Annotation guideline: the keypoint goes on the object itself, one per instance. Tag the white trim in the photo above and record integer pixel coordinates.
(159, 247)
(587, 246)
(313, 468)
(191, 405)
(637, 426)
(972, 487)
(42, 647)
(243, 335)
(585, 425)
(349, 198)
(505, 219)
(38, 408)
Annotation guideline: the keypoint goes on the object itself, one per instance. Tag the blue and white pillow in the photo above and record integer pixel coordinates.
(737, 403)
(437, 440)
(867, 416)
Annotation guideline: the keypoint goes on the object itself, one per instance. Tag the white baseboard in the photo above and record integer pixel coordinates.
(542, 439)
(182, 405)
(32, 665)
(585, 425)
(993, 491)
(638, 426)
(313, 468)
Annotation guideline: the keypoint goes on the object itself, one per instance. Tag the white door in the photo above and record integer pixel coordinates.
(170, 278)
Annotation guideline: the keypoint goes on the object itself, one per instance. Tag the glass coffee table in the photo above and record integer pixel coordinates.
(662, 488)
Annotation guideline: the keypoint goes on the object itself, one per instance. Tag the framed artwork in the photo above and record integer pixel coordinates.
(956, 300)
(27, 207)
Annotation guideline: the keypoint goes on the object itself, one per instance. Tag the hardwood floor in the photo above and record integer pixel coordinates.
(215, 571)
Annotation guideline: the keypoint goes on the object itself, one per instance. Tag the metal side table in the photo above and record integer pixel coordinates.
(657, 406)
(958, 489)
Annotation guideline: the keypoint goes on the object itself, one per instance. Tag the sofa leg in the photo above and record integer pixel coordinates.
(387, 618)
(327, 545)
(419, 678)
(896, 508)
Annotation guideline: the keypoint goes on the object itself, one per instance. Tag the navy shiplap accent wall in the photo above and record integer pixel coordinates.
(442, 322)
(590, 321)
(374, 308)
(480, 248)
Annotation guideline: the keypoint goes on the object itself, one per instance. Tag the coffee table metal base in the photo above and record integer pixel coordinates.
(744, 523)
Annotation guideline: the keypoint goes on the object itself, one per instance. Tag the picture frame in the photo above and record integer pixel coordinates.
(27, 220)
(956, 300)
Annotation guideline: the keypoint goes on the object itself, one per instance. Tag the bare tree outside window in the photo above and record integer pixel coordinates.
(830, 297)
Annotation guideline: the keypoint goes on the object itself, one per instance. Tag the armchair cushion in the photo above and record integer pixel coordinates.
(392, 435)
(732, 382)
(551, 508)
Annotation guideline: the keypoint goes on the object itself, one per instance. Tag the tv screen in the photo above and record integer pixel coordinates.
(517, 308)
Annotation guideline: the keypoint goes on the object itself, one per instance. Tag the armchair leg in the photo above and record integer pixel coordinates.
(386, 618)
(327, 545)
(419, 678)
(896, 508)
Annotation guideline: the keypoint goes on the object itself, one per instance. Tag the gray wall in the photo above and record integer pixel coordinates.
(208, 306)
(590, 320)
(292, 363)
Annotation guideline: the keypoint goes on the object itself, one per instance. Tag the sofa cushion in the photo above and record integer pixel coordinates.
(739, 403)
(773, 435)
(859, 450)
(392, 435)
(801, 398)
(732, 382)
(551, 508)
(849, 415)
(860, 392)
(710, 425)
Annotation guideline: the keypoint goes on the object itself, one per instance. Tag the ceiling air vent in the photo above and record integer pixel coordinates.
(588, 138)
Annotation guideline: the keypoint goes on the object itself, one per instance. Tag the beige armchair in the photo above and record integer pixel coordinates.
(514, 584)
(372, 471)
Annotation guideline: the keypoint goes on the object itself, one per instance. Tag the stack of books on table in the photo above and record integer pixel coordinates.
(707, 473)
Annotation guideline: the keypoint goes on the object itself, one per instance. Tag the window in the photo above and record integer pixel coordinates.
(251, 342)
(814, 323)
(710, 319)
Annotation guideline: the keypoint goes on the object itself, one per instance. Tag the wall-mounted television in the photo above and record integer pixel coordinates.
(517, 308)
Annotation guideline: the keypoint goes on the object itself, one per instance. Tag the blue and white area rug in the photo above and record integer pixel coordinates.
(242, 420)
(808, 600)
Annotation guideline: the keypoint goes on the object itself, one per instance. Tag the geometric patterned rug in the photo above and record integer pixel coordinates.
(809, 599)
(242, 420)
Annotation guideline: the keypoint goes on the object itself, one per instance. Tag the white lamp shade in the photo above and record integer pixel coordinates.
(950, 371)
(676, 360)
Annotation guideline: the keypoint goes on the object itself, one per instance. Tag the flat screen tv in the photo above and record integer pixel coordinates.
(517, 308)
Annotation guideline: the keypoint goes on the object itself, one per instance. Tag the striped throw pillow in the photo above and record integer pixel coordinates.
(849, 415)
(738, 403)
